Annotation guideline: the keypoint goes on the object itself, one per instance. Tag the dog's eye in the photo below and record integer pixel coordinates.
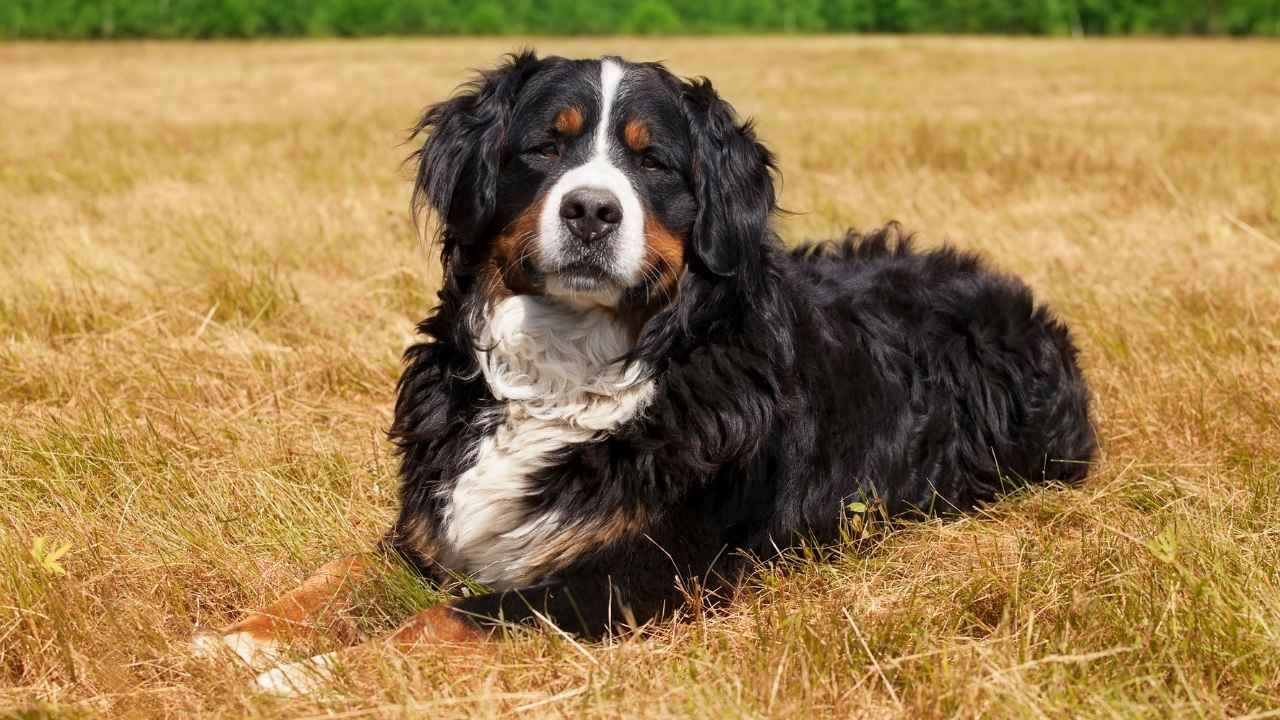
(649, 162)
(548, 150)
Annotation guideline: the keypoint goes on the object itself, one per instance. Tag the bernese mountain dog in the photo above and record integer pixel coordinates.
(630, 390)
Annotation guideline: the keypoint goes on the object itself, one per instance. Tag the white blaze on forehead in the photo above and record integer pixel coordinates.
(626, 246)
(610, 78)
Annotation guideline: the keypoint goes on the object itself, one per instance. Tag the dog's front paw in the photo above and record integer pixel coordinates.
(297, 678)
(255, 652)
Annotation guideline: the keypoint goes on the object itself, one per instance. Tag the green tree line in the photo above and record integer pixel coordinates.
(254, 18)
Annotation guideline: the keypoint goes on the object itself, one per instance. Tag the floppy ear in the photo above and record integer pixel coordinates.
(458, 164)
(732, 180)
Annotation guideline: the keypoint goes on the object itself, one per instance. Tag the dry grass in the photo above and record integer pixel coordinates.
(207, 274)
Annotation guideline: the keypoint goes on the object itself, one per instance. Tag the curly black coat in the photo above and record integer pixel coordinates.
(789, 383)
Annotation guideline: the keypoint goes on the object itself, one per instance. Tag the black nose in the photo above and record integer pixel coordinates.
(590, 213)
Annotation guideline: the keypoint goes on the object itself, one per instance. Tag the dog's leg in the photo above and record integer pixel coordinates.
(313, 609)
(462, 625)
(436, 627)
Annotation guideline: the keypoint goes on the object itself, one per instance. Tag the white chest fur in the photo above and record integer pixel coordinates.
(553, 366)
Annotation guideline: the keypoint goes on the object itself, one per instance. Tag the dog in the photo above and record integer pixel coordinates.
(630, 390)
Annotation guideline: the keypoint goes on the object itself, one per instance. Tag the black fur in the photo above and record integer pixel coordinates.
(790, 383)
(462, 157)
(732, 181)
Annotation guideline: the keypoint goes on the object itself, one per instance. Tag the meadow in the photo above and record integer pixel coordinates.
(208, 272)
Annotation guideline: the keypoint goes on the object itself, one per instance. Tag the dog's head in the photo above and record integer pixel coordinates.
(600, 182)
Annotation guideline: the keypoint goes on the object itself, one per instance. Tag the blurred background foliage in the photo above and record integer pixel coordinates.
(252, 18)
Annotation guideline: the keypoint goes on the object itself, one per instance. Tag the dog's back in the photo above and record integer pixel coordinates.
(943, 383)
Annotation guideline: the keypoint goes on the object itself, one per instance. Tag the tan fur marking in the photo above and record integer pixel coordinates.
(663, 265)
(418, 536)
(664, 255)
(636, 133)
(575, 542)
(314, 606)
(505, 275)
(569, 121)
(439, 624)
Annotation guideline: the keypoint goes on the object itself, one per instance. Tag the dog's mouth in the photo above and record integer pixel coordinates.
(583, 280)
(584, 276)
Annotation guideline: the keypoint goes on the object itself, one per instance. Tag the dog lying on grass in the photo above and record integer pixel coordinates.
(629, 388)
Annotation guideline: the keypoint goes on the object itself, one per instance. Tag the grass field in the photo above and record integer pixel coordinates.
(208, 272)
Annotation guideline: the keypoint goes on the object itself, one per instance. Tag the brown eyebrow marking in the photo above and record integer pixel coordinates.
(636, 134)
(569, 121)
